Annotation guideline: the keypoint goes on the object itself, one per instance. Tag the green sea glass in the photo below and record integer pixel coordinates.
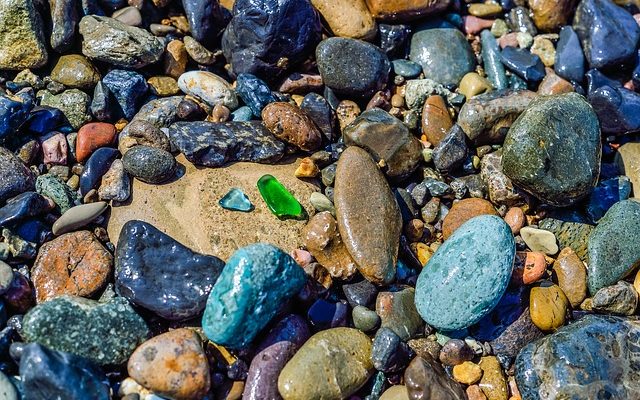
(281, 203)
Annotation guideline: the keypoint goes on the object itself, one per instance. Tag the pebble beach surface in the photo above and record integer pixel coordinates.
(319, 199)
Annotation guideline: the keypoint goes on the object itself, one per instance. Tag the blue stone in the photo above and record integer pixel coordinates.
(512, 304)
(236, 200)
(526, 65)
(23, 206)
(206, 19)
(128, 88)
(242, 114)
(468, 275)
(96, 166)
(617, 108)
(393, 38)
(254, 92)
(596, 80)
(44, 119)
(256, 281)
(14, 111)
(325, 314)
(389, 353)
(34, 231)
(492, 61)
(606, 194)
(569, 62)
(405, 68)
(320, 111)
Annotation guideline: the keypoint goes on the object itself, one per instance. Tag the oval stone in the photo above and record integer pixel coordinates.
(466, 277)
(332, 364)
(209, 87)
(78, 216)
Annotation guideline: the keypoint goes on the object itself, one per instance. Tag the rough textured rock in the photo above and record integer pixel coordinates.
(322, 239)
(292, 125)
(22, 43)
(463, 211)
(15, 177)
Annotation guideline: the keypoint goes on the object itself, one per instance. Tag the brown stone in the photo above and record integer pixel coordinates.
(175, 59)
(73, 264)
(553, 84)
(475, 393)
(289, 123)
(436, 120)
(405, 10)
(628, 161)
(142, 133)
(529, 267)
(516, 219)
(322, 239)
(91, 137)
(550, 15)
(75, 71)
(347, 111)
(425, 380)
(347, 18)
(493, 382)
(307, 169)
(163, 85)
(570, 274)
(548, 307)
(173, 365)
(301, 84)
(463, 211)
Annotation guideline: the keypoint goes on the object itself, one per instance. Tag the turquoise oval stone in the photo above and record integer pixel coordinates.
(256, 281)
(466, 277)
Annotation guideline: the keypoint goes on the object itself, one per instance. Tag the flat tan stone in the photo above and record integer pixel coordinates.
(187, 209)
(628, 160)
(347, 18)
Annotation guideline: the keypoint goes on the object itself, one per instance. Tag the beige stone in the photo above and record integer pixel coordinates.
(187, 209)
(347, 18)
(628, 160)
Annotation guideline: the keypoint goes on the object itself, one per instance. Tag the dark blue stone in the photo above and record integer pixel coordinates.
(128, 88)
(205, 20)
(451, 152)
(320, 111)
(97, 165)
(13, 113)
(361, 293)
(49, 374)
(155, 272)
(23, 206)
(262, 32)
(7, 335)
(324, 314)
(635, 75)
(292, 329)
(569, 63)
(3, 313)
(512, 304)
(609, 34)
(34, 231)
(435, 23)
(393, 39)
(389, 353)
(525, 64)
(101, 103)
(44, 119)
(606, 194)
(254, 92)
(596, 80)
(618, 109)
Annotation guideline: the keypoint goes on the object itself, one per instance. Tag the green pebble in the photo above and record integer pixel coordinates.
(54, 188)
(281, 203)
(364, 319)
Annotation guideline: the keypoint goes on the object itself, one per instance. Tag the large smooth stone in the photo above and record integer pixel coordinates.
(156, 272)
(370, 230)
(252, 287)
(332, 364)
(595, 356)
(553, 149)
(22, 43)
(445, 54)
(466, 277)
(105, 333)
(613, 251)
(405, 10)
(15, 177)
(349, 19)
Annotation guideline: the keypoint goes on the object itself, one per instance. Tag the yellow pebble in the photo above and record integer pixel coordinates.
(636, 282)
(484, 9)
(493, 382)
(467, 373)
(424, 253)
(307, 169)
(473, 84)
(548, 307)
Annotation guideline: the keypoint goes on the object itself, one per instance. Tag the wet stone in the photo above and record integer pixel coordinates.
(97, 165)
(569, 62)
(621, 299)
(149, 164)
(14, 111)
(389, 353)
(236, 200)
(322, 239)
(426, 379)
(75, 71)
(73, 103)
(23, 206)
(292, 125)
(397, 312)
(54, 188)
(279, 200)
(254, 92)
(128, 89)
(523, 63)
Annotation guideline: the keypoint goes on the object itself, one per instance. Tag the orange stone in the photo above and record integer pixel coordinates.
(463, 211)
(516, 219)
(405, 10)
(436, 120)
(530, 266)
(91, 137)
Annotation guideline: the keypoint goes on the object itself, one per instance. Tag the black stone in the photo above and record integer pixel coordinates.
(389, 353)
(206, 20)
(154, 271)
(325, 314)
(128, 88)
(526, 65)
(450, 154)
(520, 21)
(216, 144)
(254, 92)
(320, 111)
(65, 16)
(617, 108)
(96, 166)
(569, 63)
(149, 164)
(189, 110)
(393, 39)
(361, 293)
(101, 103)
(13, 113)
(23, 206)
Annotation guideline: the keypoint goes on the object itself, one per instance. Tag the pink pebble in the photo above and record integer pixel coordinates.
(508, 40)
(474, 25)
(54, 147)
(637, 18)
(302, 257)
(629, 85)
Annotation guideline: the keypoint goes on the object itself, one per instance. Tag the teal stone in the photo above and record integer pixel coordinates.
(255, 283)
(243, 114)
(466, 277)
(54, 188)
(492, 62)
(613, 250)
(236, 200)
(405, 68)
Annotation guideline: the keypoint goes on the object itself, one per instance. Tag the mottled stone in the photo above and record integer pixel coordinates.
(570, 275)
(208, 87)
(128, 89)
(292, 125)
(73, 103)
(445, 54)
(149, 164)
(464, 210)
(518, 334)
(425, 379)
(569, 234)
(493, 382)
(75, 71)
(142, 133)
(397, 311)
(322, 239)
(22, 42)
(620, 298)
(54, 188)
(548, 306)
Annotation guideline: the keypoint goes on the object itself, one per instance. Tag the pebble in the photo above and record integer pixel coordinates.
(525, 64)
(24, 206)
(347, 19)
(407, 69)
(610, 104)
(91, 137)
(352, 67)
(322, 239)
(515, 336)
(236, 200)
(455, 352)
(446, 303)
(128, 89)
(472, 84)
(444, 54)
(75, 71)
(198, 52)
(396, 392)
(493, 382)
(452, 151)
(6, 277)
(539, 240)
(128, 15)
(307, 169)
(530, 266)
(416, 92)
(336, 352)
(570, 275)
(14, 111)
(436, 120)
(74, 264)
(464, 210)
(154, 271)
(425, 379)
(492, 61)
(7, 388)
(105, 333)
(78, 217)
(387, 139)
(473, 25)
(553, 84)
(569, 62)
(205, 20)
(254, 92)
(22, 38)
(54, 188)
(143, 133)
(606, 194)
(569, 234)
(467, 373)
(397, 311)
(555, 365)
(292, 125)
(149, 164)
(403, 11)
(372, 243)
(172, 364)
(548, 306)
(208, 87)
(111, 41)
(549, 16)
(364, 319)
(612, 255)
(73, 103)
(516, 219)
(54, 148)
(115, 184)
(628, 161)
(389, 353)
(621, 299)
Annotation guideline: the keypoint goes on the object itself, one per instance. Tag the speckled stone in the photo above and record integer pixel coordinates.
(106, 333)
(333, 363)
(621, 299)
(446, 295)
(73, 103)
(292, 125)
(612, 249)
(569, 234)
(22, 39)
(596, 354)
(493, 382)
(208, 87)
(15, 177)
(55, 189)
(445, 54)
(397, 310)
(322, 239)
(149, 164)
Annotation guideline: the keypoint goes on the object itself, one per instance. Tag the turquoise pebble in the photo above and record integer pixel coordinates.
(243, 113)
(236, 200)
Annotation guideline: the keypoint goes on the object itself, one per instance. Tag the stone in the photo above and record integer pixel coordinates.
(14, 111)
(611, 254)
(268, 37)
(75, 71)
(247, 295)
(387, 140)
(467, 373)
(149, 164)
(406, 68)
(464, 210)
(493, 382)
(494, 68)
(50, 374)
(22, 39)
(571, 173)
(113, 42)
(445, 296)
(163, 85)
(92, 136)
(347, 19)
(364, 319)
(628, 161)
(172, 364)
(523, 63)
(54, 148)
(198, 52)
(73, 103)
(216, 144)
(569, 234)
(397, 311)
(548, 307)
(128, 89)
(445, 54)
(73, 264)
(236, 200)
(436, 120)
(333, 363)
(608, 33)
(543, 48)
(404, 10)
(472, 84)
(372, 243)
(516, 219)
(592, 355)
(279, 200)
(156, 272)
(352, 67)
(539, 240)
(569, 62)
(396, 392)
(128, 15)
(7, 389)
(208, 87)
(425, 379)
(54, 188)
(143, 133)
(606, 194)
(78, 217)
(24, 206)
(530, 266)
(254, 92)
(320, 111)
(610, 104)
(570, 274)
(549, 16)
(105, 333)
(389, 353)
(455, 352)
(115, 184)
(452, 151)
(621, 299)
(291, 125)
(487, 118)
(322, 239)
(553, 84)
(205, 19)
(514, 337)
